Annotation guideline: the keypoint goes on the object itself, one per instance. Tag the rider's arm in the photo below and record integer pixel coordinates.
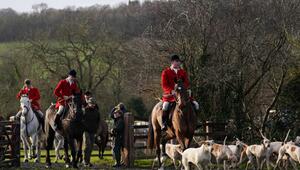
(36, 95)
(58, 89)
(165, 83)
(19, 94)
(186, 80)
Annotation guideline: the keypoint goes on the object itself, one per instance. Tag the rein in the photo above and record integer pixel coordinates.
(26, 123)
(28, 109)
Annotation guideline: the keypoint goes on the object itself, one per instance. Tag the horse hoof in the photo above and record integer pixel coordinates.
(67, 166)
(33, 156)
(26, 160)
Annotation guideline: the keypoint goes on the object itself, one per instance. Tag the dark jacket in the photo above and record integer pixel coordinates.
(118, 131)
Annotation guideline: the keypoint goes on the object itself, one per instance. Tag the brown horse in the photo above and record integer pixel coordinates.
(183, 123)
(72, 130)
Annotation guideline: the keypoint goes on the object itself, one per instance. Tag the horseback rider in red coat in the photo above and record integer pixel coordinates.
(33, 94)
(64, 92)
(169, 78)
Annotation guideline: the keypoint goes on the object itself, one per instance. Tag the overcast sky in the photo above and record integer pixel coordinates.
(25, 5)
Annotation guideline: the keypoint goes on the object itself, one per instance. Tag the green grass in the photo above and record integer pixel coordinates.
(105, 163)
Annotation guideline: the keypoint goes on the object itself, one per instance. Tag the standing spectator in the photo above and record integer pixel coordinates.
(118, 136)
(91, 121)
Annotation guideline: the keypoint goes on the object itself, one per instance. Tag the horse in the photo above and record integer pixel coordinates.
(71, 130)
(30, 128)
(183, 123)
(101, 138)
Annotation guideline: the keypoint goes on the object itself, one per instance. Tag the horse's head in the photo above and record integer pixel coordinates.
(76, 106)
(25, 104)
(181, 93)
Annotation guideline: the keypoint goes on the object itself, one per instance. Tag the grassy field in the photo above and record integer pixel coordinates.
(105, 163)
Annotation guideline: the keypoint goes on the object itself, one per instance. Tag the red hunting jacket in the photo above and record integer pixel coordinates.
(168, 78)
(64, 88)
(33, 94)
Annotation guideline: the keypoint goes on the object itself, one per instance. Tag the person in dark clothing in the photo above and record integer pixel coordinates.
(121, 107)
(91, 121)
(118, 136)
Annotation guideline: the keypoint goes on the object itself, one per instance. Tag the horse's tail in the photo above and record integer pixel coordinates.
(150, 141)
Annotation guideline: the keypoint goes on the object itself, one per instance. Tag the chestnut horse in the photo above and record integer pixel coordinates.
(183, 123)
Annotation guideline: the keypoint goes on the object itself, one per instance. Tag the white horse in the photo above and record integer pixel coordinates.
(30, 128)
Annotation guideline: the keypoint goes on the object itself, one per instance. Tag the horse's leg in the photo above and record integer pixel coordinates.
(98, 143)
(73, 152)
(180, 139)
(33, 146)
(187, 142)
(157, 142)
(66, 150)
(104, 139)
(25, 145)
(104, 143)
(50, 137)
(79, 152)
(56, 146)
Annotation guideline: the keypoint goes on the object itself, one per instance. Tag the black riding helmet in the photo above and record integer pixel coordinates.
(175, 57)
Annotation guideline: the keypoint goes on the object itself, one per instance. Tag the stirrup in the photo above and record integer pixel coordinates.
(164, 127)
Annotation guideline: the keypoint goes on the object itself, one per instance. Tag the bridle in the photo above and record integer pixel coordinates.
(28, 109)
(26, 123)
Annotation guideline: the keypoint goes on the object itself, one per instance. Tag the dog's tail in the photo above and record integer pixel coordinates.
(224, 142)
(195, 139)
(286, 137)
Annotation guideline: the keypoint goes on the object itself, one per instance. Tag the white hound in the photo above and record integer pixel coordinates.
(201, 157)
(258, 152)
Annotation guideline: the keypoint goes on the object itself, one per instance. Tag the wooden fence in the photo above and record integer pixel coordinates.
(134, 141)
(9, 144)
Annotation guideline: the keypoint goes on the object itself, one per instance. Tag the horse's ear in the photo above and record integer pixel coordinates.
(24, 95)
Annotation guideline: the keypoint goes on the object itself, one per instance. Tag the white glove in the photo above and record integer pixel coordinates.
(67, 97)
(189, 91)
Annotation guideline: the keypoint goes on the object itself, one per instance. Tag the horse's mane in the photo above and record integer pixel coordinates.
(52, 106)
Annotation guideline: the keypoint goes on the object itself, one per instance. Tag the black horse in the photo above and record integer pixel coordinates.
(71, 130)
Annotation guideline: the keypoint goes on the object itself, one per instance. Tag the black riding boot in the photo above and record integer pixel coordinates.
(164, 121)
(57, 121)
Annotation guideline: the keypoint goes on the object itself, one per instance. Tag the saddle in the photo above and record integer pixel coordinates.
(64, 113)
(170, 113)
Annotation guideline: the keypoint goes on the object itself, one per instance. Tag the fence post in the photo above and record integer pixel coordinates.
(129, 140)
(208, 129)
(15, 144)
